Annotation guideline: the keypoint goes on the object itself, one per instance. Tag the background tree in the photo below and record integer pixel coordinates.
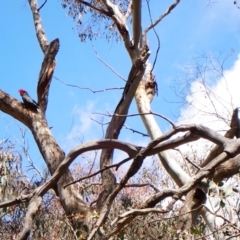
(102, 218)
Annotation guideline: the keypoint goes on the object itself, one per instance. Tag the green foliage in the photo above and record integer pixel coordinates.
(51, 221)
(96, 24)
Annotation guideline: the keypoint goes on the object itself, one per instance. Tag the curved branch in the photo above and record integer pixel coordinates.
(42, 5)
(130, 149)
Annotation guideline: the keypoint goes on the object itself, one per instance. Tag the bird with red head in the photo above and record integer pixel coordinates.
(27, 100)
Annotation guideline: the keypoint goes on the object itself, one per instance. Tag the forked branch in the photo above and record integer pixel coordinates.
(160, 19)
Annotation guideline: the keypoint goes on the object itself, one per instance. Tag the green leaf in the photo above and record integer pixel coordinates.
(196, 231)
(37, 222)
(121, 235)
(85, 227)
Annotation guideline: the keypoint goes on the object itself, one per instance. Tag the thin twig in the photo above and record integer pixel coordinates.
(195, 165)
(86, 88)
(158, 40)
(135, 131)
(108, 65)
(143, 185)
(101, 123)
(117, 165)
(160, 18)
(138, 114)
(42, 5)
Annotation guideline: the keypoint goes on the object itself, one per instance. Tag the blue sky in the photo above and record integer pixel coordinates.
(193, 28)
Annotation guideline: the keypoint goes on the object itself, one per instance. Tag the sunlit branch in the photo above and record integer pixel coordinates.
(120, 22)
(139, 212)
(230, 148)
(129, 10)
(41, 36)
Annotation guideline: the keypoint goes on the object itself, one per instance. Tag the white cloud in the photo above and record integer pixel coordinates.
(83, 129)
(212, 105)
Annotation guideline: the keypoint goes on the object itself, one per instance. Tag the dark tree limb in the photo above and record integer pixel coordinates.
(46, 74)
(42, 5)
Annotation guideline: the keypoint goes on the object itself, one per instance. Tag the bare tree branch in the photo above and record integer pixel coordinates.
(139, 114)
(42, 5)
(158, 39)
(120, 22)
(93, 91)
(129, 10)
(231, 148)
(177, 194)
(160, 18)
(113, 130)
(137, 22)
(46, 73)
(117, 165)
(135, 131)
(41, 36)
